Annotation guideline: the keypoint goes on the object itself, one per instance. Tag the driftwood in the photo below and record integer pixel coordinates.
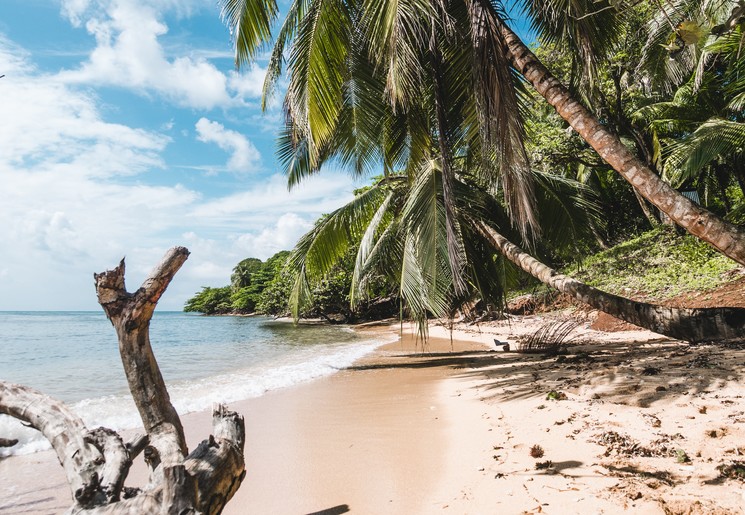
(97, 461)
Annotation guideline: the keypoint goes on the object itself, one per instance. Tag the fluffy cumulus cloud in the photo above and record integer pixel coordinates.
(270, 240)
(249, 84)
(61, 130)
(80, 191)
(243, 154)
(129, 54)
(66, 212)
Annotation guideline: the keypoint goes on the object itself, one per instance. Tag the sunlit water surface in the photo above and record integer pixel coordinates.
(74, 356)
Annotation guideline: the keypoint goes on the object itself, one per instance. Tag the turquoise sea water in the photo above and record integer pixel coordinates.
(74, 356)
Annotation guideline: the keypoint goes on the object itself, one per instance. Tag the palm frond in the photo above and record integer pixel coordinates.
(587, 28)
(250, 24)
(366, 246)
(500, 122)
(714, 138)
(398, 30)
(568, 210)
(295, 14)
(426, 252)
(317, 68)
(666, 58)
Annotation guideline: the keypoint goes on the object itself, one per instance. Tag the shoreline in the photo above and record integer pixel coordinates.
(451, 430)
(288, 446)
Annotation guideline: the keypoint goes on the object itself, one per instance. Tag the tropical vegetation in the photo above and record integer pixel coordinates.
(445, 98)
(343, 52)
(248, 282)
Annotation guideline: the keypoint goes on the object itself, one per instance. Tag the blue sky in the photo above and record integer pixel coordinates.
(126, 130)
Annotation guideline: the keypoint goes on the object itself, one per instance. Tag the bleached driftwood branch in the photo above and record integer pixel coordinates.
(97, 462)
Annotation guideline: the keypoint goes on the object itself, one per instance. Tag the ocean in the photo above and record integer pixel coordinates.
(74, 357)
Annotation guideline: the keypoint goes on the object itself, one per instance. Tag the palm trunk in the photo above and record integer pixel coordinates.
(693, 325)
(725, 237)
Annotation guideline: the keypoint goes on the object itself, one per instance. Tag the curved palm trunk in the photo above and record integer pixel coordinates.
(693, 325)
(725, 237)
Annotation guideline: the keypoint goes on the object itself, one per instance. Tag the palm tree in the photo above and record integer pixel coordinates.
(242, 272)
(329, 35)
(424, 111)
(399, 229)
(702, 126)
(693, 325)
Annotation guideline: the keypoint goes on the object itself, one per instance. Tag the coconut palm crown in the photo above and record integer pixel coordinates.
(448, 49)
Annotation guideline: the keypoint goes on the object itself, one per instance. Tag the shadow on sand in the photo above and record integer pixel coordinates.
(627, 372)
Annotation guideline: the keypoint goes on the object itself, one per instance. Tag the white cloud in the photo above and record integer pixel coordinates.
(79, 192)
(249, 84)
(263, 202)
(128, 54)
(65, 214)
(280, 236)
(57, 129)
(244, 156)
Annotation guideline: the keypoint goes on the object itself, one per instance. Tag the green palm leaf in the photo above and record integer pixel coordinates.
(714, 138)
(250, 23)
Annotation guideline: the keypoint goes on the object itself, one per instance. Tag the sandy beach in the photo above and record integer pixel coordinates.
(638, 423)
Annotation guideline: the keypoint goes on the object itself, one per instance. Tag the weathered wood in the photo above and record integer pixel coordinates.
(82, 461)
(136, 445)
(217, 462)
(130, 314)
(117, 461)
(8, 442)
(97, 462)
(204, 484)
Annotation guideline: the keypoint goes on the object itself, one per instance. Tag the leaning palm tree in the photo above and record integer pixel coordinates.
(399, 228)
(424, 111)
(327, 34)
(400, 232)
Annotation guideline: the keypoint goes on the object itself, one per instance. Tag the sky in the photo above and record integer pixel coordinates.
(125, 130)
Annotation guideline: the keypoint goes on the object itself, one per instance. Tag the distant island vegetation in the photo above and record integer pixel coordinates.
(266, 288)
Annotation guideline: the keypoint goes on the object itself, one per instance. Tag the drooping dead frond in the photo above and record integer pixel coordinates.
(551, 338)
(501, 125)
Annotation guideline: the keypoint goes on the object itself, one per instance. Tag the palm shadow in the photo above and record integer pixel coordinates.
(336, 510)
(625, 372)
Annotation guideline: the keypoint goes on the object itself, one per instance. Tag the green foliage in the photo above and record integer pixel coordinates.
(274, 299)
(266, 288)
(658, 264)
(681, 456)
(249, 280)
(213, 301)
(242, 272)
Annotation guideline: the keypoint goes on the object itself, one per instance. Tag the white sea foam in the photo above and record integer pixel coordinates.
(118, 411)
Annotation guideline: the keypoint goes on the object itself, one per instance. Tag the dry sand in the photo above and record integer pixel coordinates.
(450, 430)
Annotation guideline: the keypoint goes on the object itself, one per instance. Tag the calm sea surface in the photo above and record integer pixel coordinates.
(74, 356)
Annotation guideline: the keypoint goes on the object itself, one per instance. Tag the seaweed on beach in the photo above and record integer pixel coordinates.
(536, 452)
(732, 470)
(623, 445)
(551, 338)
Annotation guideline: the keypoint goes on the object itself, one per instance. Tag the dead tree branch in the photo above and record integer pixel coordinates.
(97, 462)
